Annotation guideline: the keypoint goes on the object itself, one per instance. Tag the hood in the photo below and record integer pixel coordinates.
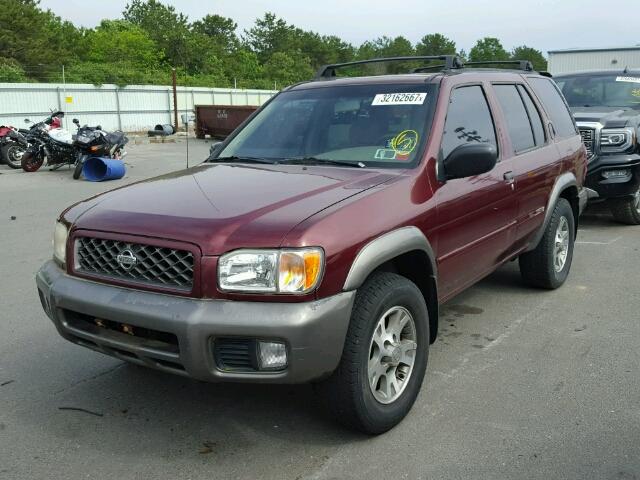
(220, 207)
(609, 117)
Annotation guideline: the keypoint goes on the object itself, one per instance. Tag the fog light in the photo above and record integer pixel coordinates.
(273, 355)
(615, 173)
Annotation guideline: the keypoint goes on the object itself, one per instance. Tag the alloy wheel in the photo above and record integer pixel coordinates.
(561, 250)
(392, 354)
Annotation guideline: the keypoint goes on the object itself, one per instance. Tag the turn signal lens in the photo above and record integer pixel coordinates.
(299, 270)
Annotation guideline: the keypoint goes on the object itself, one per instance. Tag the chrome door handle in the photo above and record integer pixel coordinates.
(509, 177)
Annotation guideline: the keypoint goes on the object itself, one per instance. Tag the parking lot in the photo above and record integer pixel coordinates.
(520, 384)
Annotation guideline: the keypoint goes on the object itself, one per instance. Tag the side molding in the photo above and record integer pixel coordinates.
(383, 249)
(567, 179)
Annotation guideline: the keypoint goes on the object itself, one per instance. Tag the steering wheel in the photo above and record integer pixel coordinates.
(384, 138)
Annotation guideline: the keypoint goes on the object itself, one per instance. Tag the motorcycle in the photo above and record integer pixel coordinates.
(59, 147)
(95, 142)
(13, 144)
(48, 141)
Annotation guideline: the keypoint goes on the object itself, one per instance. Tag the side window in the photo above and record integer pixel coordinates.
(516, 117)
(554, 105)
(468, 119)
(534, 116)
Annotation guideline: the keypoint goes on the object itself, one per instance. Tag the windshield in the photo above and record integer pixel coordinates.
(601, 90)
(363, 125)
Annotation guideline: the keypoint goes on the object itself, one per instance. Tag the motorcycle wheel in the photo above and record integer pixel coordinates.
(78, 170)
(31, 162)
(12, 154)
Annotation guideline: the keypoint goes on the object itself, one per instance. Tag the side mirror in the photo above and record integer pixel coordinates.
(215, 149)
(470, 159)
(76, 121)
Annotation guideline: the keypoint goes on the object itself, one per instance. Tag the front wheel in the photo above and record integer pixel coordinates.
(548, 265)
(31, 161)
(12, 154)
(384, 358)
(77, 171)
(626, 210)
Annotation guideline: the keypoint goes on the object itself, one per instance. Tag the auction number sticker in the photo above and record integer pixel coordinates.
(628, 79)
(399, 99)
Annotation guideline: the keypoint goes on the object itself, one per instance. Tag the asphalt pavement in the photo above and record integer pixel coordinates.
(521, 383)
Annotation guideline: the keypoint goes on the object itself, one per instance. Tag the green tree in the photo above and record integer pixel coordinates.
(166, 27)
(268, 36)
(488, 49)
(534, 56)
(435, 44)
(221, 30)
(116, 41)
(37, 39)
(11, 71)
(286, 69)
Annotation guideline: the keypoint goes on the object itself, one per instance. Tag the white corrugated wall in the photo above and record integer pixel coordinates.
(567, 62)
(132, 108)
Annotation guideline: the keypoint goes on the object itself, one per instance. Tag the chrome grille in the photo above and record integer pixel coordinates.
(588, 138)
(155, 266)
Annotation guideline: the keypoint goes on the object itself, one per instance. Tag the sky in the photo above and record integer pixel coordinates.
(542, 24)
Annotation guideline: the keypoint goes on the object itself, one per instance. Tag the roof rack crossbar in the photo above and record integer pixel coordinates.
(440, 66)
(329, 71)
(525, 65)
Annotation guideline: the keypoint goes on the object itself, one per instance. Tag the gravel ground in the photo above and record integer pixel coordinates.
(521, 383)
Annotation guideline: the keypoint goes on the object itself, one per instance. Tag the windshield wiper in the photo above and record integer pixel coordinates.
(235, 158)
(322, 161)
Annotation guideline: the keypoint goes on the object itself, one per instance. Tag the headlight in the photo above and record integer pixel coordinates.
(60, 235)
(617, 139)
(271, 271)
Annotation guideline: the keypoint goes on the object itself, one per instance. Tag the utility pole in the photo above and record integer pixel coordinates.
(175, 99)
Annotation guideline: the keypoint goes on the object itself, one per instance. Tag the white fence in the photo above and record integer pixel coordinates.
(132, 108)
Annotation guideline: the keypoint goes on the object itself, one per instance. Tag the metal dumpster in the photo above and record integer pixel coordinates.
(220, 120)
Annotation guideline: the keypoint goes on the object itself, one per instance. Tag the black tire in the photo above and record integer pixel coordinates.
(347, 392)
(538, 267)
(31, 161)
(626, 210)
(77, 171)
(12, 154)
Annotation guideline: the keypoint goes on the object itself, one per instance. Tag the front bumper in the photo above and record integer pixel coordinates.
(314, 332)
(601, 187)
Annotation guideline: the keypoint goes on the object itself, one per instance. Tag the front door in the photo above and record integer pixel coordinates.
(476, 215)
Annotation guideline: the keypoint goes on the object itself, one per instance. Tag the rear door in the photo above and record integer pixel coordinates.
(476, 215)
(532, 156)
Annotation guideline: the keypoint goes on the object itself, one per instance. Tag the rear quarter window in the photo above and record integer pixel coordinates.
(555, 106)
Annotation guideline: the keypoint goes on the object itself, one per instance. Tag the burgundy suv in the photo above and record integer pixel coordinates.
(318, 240)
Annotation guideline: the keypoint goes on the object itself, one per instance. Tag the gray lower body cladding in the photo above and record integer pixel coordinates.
(178, 334)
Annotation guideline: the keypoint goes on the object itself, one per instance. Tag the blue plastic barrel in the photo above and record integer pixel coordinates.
(98, 169)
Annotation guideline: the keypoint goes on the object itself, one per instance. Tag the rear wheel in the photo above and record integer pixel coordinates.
(548, 265)
(626, 210)
(384, 358)
(12, 154)
(31, 161)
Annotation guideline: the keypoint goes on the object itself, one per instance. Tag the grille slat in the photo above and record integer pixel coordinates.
(588, 138)
(155, 266)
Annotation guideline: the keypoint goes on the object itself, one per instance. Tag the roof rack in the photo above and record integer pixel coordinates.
(329, 71)
(525, 65)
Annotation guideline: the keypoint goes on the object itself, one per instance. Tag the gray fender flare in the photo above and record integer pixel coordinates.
(384, 248)
(567, 179)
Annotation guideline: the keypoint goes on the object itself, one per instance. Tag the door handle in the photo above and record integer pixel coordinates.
(509, 177)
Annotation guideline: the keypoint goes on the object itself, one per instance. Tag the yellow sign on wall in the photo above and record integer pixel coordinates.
(68, 99)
